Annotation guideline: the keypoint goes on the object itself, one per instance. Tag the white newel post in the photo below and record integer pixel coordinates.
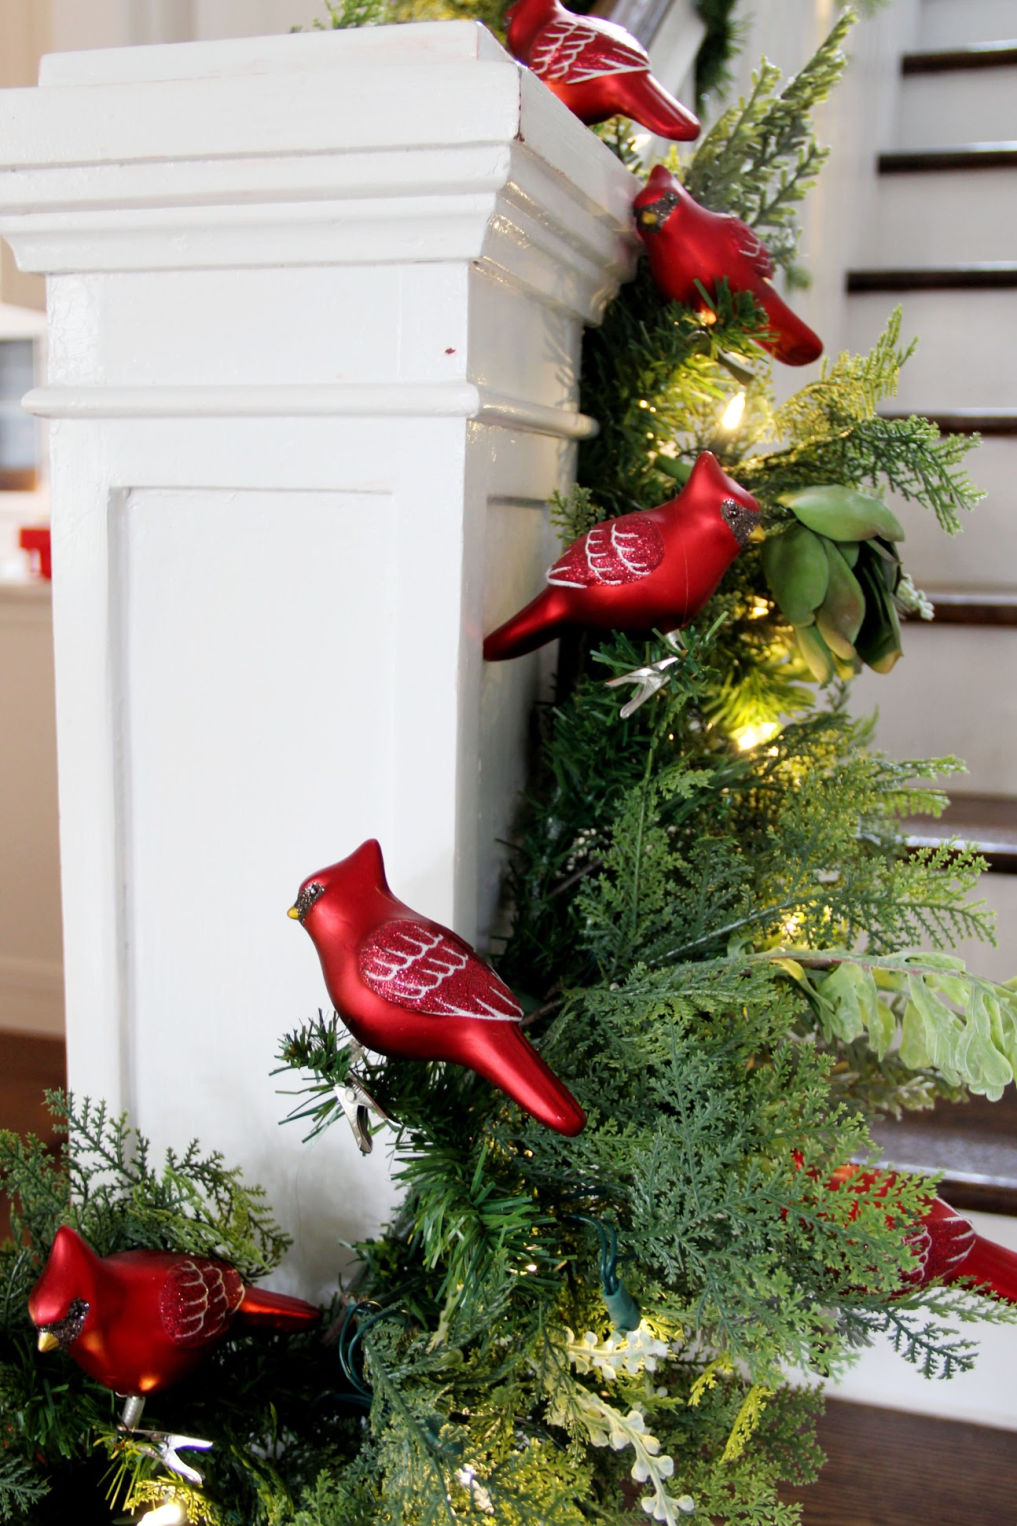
(315, 306)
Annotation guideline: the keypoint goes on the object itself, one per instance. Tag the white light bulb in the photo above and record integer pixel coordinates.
(751, 736)
(732, 415)
(170, 1514)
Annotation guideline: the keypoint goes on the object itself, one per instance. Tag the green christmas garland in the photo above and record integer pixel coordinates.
(716, 930)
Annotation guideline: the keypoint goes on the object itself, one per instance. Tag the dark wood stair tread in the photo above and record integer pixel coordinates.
(974, 606)
(889, 1467)
(987, 823)
(987, 275)
(962, 156)
(979, 55)
(974, 1145)
(983, 421)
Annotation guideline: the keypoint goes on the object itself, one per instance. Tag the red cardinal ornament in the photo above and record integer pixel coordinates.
(650, 570)
(597, 68)
(142, 1320)
(687, 244)
(946, 1245)
(408, 987)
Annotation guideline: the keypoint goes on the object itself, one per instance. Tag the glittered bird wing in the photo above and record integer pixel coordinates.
(573, 51)
(198, 1300)
(419, 965)
(619, 551)
(748, 246)
(951, 1239)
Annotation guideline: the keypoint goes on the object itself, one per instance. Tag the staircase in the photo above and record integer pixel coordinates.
(943, 244)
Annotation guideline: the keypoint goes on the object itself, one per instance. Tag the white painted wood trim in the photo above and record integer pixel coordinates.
(477, 160)
(362, 400)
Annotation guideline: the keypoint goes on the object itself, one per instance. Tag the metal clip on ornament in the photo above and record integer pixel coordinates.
(358, 1104)
(650, 677)
(162, 1445)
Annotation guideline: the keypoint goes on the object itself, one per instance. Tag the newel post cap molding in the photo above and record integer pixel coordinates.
(420, 142)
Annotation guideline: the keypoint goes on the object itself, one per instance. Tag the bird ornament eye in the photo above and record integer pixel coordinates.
(742, 521)
(306, 899)
(652, 217)
(64, 1332)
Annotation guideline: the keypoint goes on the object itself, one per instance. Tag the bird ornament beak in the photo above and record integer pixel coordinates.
(47, 1341)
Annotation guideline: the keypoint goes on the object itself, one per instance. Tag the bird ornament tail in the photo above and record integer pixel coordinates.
(660, 113)
(544, 618)
(509, 1061)
(276, 1311)
(793, 342)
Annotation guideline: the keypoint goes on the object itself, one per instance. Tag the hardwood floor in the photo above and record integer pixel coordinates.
(28, 1067)
(888, 1468)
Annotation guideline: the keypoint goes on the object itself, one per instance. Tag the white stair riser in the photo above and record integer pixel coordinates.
(965, 356)
(999, 963)
(946, 217)
(985, 552)
(951, 693)
(959, 23)
(962, 106)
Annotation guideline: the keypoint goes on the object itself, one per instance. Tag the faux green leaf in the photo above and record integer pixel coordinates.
(843, 513)
(815, 653)
(797, 571)
(843, 608)
(878, 642)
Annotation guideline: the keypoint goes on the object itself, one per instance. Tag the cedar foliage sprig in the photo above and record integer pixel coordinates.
(834, 434)
(760, 159)
(104, 1184)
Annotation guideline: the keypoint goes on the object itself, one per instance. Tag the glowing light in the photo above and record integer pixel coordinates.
(748, 737)
(792, 925)
(732, 415)
(170, 1514)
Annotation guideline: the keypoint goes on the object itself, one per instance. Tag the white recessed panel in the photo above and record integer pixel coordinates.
(260, 749)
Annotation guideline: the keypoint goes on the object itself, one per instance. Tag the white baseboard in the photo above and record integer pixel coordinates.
(31, 996)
